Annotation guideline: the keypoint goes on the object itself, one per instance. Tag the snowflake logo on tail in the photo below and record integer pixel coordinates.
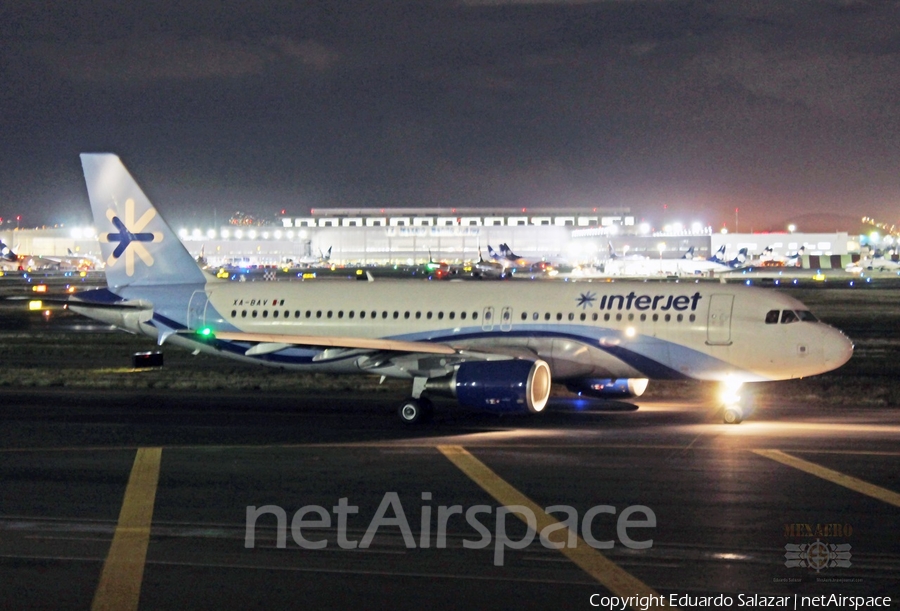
(130, 233)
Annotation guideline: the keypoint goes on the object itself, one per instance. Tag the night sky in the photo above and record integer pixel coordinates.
(779, 108)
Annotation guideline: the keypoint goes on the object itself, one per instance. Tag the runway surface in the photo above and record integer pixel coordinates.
(139, 499)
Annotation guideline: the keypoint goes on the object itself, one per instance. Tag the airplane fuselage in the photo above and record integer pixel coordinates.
(703, 331)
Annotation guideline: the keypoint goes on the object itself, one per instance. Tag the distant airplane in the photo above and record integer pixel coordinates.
(686, 265)
(310, 260)
(437, 270)
(768, 258)
(495, 347)
(624, 257)
(499, 259)
(882, 263)
(9, 261)
(739, 260)
(489, 269)
(514, 263)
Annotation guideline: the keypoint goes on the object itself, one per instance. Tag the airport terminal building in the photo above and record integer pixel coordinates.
(413, 235)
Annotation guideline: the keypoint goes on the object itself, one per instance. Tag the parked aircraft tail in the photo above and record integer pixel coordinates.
(740, 259)
(719, 255)
(506, 252)
(7, 254)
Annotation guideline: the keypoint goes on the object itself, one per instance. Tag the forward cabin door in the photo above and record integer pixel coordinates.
(196, 314)
(718, 324)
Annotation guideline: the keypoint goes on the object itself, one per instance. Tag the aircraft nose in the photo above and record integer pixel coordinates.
(838, 349)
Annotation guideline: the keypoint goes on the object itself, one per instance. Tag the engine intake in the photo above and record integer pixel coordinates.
(498, 386)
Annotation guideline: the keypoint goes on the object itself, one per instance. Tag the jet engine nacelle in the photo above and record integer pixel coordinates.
(620, 388)
(498, 386)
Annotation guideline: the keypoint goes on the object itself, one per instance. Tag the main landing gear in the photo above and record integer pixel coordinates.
(416, 411)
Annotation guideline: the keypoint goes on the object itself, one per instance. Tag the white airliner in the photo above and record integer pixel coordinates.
(492, 346)
(687, 265)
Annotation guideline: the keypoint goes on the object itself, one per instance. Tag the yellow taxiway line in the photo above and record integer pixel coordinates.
(836, 477)
(123, 571)
(610, 575)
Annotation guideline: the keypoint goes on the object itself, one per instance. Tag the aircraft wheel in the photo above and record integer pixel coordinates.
(415, 411)
(733, 415)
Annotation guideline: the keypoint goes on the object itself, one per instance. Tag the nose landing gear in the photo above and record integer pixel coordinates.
(735, 404)
(733, 414)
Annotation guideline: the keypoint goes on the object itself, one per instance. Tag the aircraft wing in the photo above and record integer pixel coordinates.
(428, 359)
(272, 340)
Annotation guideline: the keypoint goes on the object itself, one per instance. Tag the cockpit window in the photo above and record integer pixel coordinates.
(772, 317)
(807, 316)
(788, 316)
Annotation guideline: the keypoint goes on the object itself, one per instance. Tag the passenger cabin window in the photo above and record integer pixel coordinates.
(788, 316)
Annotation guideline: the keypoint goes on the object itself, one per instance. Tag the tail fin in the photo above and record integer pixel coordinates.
(719, 255)
(689, 254)
(7, 254)
(507, 252)
(740, 259)
(612, 251)
(139, 248)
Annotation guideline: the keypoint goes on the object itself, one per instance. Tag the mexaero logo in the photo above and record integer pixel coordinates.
(129, 233)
